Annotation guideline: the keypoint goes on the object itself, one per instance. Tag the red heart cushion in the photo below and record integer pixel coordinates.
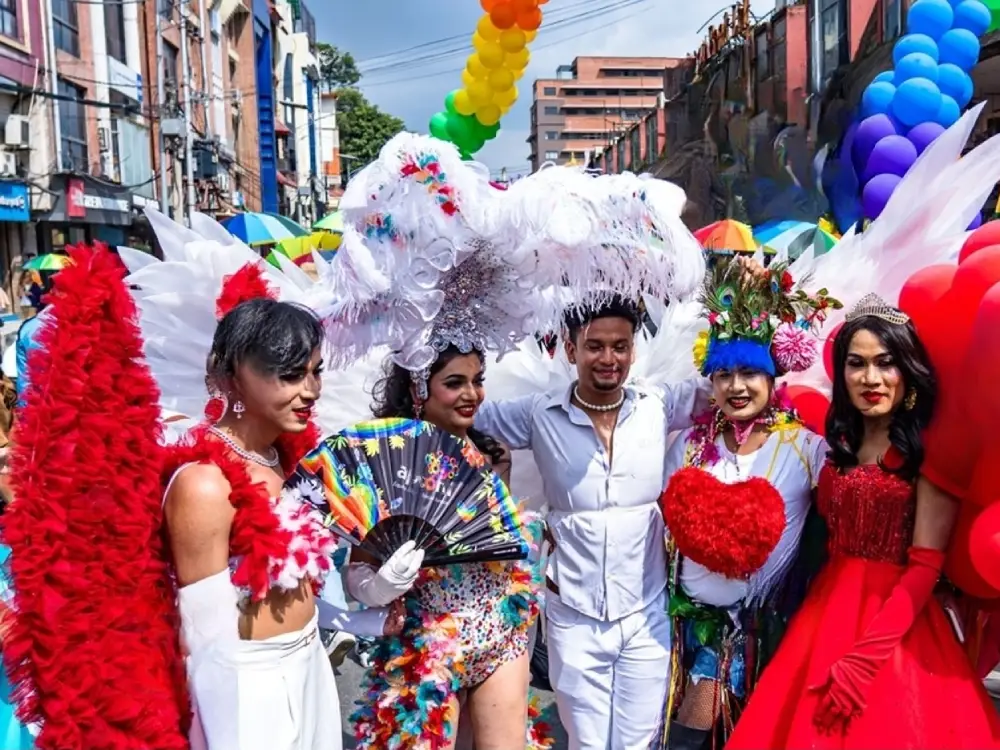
(731, 529)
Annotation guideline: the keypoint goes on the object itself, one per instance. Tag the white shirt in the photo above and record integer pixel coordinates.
(791, 462)
(609, 560)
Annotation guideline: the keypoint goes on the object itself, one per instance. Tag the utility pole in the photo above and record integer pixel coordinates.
(161, 102)
(189, 202)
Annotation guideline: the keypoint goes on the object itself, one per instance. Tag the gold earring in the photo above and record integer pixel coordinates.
(911, 399)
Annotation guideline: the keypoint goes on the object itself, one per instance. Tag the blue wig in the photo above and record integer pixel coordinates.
(736, 353)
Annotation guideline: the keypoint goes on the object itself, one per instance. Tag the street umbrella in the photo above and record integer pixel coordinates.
(727, 236)
(299, 250)
(794, 237)
(263, 229)
(332, 222)
(47, 262)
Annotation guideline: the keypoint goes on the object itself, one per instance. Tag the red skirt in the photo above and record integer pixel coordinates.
(926, 696)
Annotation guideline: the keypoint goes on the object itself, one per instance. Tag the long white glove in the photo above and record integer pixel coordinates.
(368, 623)
(378, 588)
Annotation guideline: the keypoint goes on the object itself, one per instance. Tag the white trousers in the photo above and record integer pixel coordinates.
(610, 678)
(275, 694)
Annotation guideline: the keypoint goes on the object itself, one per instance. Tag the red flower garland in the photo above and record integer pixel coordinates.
(93, 652)
(731, 529)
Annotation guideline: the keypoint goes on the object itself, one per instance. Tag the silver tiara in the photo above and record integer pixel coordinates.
(873, 306)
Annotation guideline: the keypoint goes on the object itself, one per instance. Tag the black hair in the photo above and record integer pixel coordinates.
(393, 397)
(615, 306)
(274, 338)
(844, 423)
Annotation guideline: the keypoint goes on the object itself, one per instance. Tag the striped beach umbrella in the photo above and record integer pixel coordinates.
(263, 229)
(727, 236)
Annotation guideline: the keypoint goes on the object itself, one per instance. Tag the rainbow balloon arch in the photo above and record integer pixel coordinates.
(906, 109)
(472, 113)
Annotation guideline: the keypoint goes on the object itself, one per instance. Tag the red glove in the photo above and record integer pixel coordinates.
(845, 692)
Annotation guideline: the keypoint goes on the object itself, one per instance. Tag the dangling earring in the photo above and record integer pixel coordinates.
(217, 407)
(238, 409)
(911, 399)
(418, 409)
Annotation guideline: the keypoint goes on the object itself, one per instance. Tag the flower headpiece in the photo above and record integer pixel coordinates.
(759, 318)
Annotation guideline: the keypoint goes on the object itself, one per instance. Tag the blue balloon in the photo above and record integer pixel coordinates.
(948, 112)
(972, 15)
(877, 98)
(916, 65)
(886, 76)
(956, 83)
(911, 43)
(930, 17)
(960, 47)
(917, 100)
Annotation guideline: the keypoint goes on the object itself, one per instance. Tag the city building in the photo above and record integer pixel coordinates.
(590, 103)
(329, 150)
(26, 147)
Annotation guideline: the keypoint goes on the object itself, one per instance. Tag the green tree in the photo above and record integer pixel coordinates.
(364, 129)
(336, 69)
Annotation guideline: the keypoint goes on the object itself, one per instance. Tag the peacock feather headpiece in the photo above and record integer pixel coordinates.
(759, 318)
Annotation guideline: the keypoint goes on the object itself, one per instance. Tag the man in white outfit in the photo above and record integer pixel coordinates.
(600, 447)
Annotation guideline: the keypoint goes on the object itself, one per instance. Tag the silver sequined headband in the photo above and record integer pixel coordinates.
(873, 306)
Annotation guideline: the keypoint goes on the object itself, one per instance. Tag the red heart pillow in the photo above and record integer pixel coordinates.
(731, 529)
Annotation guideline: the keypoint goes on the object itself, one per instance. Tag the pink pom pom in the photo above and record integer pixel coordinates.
(794, 348)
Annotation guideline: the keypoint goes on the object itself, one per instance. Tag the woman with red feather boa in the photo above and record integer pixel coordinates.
(736, 507)
(870, 660)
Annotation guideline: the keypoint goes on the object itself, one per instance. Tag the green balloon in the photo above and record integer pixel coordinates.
(460, 131)
(449, 102)
(439, 126)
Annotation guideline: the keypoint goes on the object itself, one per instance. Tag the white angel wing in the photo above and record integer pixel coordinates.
(923, 224)
(346, 397)
(666, 357)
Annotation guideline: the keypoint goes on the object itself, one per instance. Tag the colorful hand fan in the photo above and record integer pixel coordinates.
(383, 483)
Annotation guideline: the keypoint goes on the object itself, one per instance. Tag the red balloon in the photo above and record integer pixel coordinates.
(523, 6)
(811, 405)
(982, 364)
(984, 544)
(828, 350)
(959, 566)
(529, 20)
(923, 290)
(987, 235)
(503, 15)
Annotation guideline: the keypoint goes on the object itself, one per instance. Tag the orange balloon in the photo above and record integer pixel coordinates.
(488, 5)
(503, 15)
(523, 6)
(530, 20)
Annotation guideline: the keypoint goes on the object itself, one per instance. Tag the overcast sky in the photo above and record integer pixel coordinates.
(411, 52)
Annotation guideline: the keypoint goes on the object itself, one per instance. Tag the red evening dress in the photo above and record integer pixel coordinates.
(925, 696)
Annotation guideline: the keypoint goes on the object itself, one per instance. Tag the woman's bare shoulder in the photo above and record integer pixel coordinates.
(199, 493)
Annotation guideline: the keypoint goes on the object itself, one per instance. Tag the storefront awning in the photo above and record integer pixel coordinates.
(84, 200)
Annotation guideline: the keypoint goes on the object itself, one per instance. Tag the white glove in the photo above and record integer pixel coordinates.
(396, 576)
(367, 623)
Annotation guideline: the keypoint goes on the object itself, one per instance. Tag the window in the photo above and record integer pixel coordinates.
(549, 91)
(763, 58)
(73, 123)
(65, 29)
(620, 148)
(635, 146)
(170, 65)
(114, 28)
(552, 135)
(832, 32)
(552, 110)
(8, 19)
(892, 20)
(551, 155)
(652, 140)
(166, 8)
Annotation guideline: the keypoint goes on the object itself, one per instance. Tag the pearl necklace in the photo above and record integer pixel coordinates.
(599, 407)
(270, 462)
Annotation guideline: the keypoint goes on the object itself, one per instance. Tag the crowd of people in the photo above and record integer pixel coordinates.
(717, 573)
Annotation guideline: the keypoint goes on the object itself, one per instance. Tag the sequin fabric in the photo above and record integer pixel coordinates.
(869, 512)
(473, 595)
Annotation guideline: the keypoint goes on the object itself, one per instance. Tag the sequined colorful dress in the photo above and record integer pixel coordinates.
(925, 696)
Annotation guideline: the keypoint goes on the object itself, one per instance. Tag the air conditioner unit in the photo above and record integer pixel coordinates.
(223, 181)
(17, 132)
(8, 164)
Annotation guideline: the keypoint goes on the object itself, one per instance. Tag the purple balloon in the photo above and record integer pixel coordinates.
(877, 193)
(871, 130)
(976, 223)
(924, 134)
(894, 154)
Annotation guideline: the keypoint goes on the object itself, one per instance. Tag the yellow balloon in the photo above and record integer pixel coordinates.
(487, 30)
(476, 68)
(491, 55)
(530, 35)
(480, 93)
(488, 114)
(467, 78)
(518, 60)
(505, 98)
(501, 79)
(512, 40)
(463, 103)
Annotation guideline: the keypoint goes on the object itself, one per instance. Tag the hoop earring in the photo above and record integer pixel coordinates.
(238, 409)
(217, 407)
(911, 399)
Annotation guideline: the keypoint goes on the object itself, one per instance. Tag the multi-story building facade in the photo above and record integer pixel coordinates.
(590, 103)
(26, 149)
(329, 150)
